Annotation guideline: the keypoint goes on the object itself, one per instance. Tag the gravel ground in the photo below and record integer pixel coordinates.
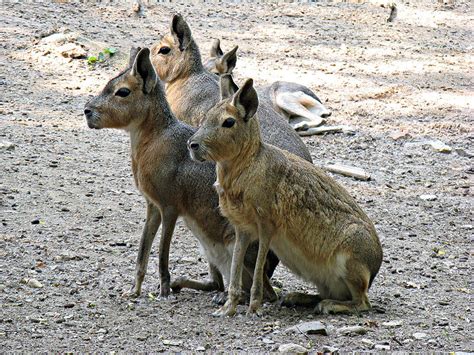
(71, 216)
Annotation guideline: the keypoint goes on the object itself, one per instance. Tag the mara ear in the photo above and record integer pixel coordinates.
(216, 51)
(229, 60)
(143, 69)
(228, 86)
(181, 31)
(246, 100)
(133, 54)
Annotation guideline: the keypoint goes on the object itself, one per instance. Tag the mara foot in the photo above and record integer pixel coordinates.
(299, 299)
(227, 310)
(333, 307)
(133, 292)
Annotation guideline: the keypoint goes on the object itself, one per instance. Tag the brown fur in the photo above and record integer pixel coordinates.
(313, 225)
(192, 91)
(294, 102)
(172, 184)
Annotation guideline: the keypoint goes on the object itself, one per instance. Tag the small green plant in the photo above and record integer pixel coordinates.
(101, 57)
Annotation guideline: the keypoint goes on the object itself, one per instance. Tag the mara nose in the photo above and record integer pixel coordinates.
(88, 113)
(193, 145)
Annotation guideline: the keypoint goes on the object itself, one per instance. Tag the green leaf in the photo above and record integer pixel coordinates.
(110, 51)
(92, 59)
(101, 57)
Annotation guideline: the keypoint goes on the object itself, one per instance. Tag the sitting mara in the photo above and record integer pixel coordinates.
(312, 223)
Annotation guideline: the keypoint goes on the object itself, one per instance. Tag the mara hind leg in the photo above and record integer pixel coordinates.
(301, 299)
(271, 263)
(215, 282)
(357, 282)
(303, 110)
(242, 241)
(247, 280)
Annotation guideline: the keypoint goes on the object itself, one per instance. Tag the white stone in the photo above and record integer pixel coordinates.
(291, 348)
(419, 336)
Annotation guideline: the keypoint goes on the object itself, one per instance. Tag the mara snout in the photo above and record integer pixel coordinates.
(93, 120)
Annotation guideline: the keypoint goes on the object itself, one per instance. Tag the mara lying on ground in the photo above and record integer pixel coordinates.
(295, 102)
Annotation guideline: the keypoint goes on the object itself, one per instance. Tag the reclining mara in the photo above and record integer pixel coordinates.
(296, 102)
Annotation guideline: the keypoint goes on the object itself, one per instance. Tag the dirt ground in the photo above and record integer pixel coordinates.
(71, 217)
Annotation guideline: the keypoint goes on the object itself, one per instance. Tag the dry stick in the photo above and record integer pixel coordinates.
(356, 173)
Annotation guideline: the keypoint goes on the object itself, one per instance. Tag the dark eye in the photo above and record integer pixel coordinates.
(229, 122)
(122, 92)
(164, 50)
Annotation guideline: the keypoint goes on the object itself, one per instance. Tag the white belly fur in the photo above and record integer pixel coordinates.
(216, 253)
(327, 276)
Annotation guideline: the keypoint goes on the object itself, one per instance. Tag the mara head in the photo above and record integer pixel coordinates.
(221, 63)
(126, 98)
(230, 127)
(176, 55)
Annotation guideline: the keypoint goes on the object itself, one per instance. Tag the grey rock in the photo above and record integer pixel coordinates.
(428, 197)
(393, 324)
(368, 343)
(291, 348)
(172, 342)
(461, 152)
(313, 327)
(440, 146)
(354, 330)
(330, 349)
(419, 335)
(5, 145)
(31, 283)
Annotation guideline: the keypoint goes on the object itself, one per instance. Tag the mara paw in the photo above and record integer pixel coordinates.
(227, 310)
(133, 292)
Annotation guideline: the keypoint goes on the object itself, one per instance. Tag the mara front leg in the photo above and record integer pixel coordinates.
(169, 215)
(153, 221)
(242, 241)
(256, 293)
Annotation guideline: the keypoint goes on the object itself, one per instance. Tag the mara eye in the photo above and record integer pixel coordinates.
(122, 92)
(229, 122)
(164, 50)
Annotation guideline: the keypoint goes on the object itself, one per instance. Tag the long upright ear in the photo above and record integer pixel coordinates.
(181, 31)
(229, 60)
(133, 54)
(228, 86)
(246, 100)
(143, 68)
(216, 51)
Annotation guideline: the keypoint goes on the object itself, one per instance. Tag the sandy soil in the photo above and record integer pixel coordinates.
(71, 217)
